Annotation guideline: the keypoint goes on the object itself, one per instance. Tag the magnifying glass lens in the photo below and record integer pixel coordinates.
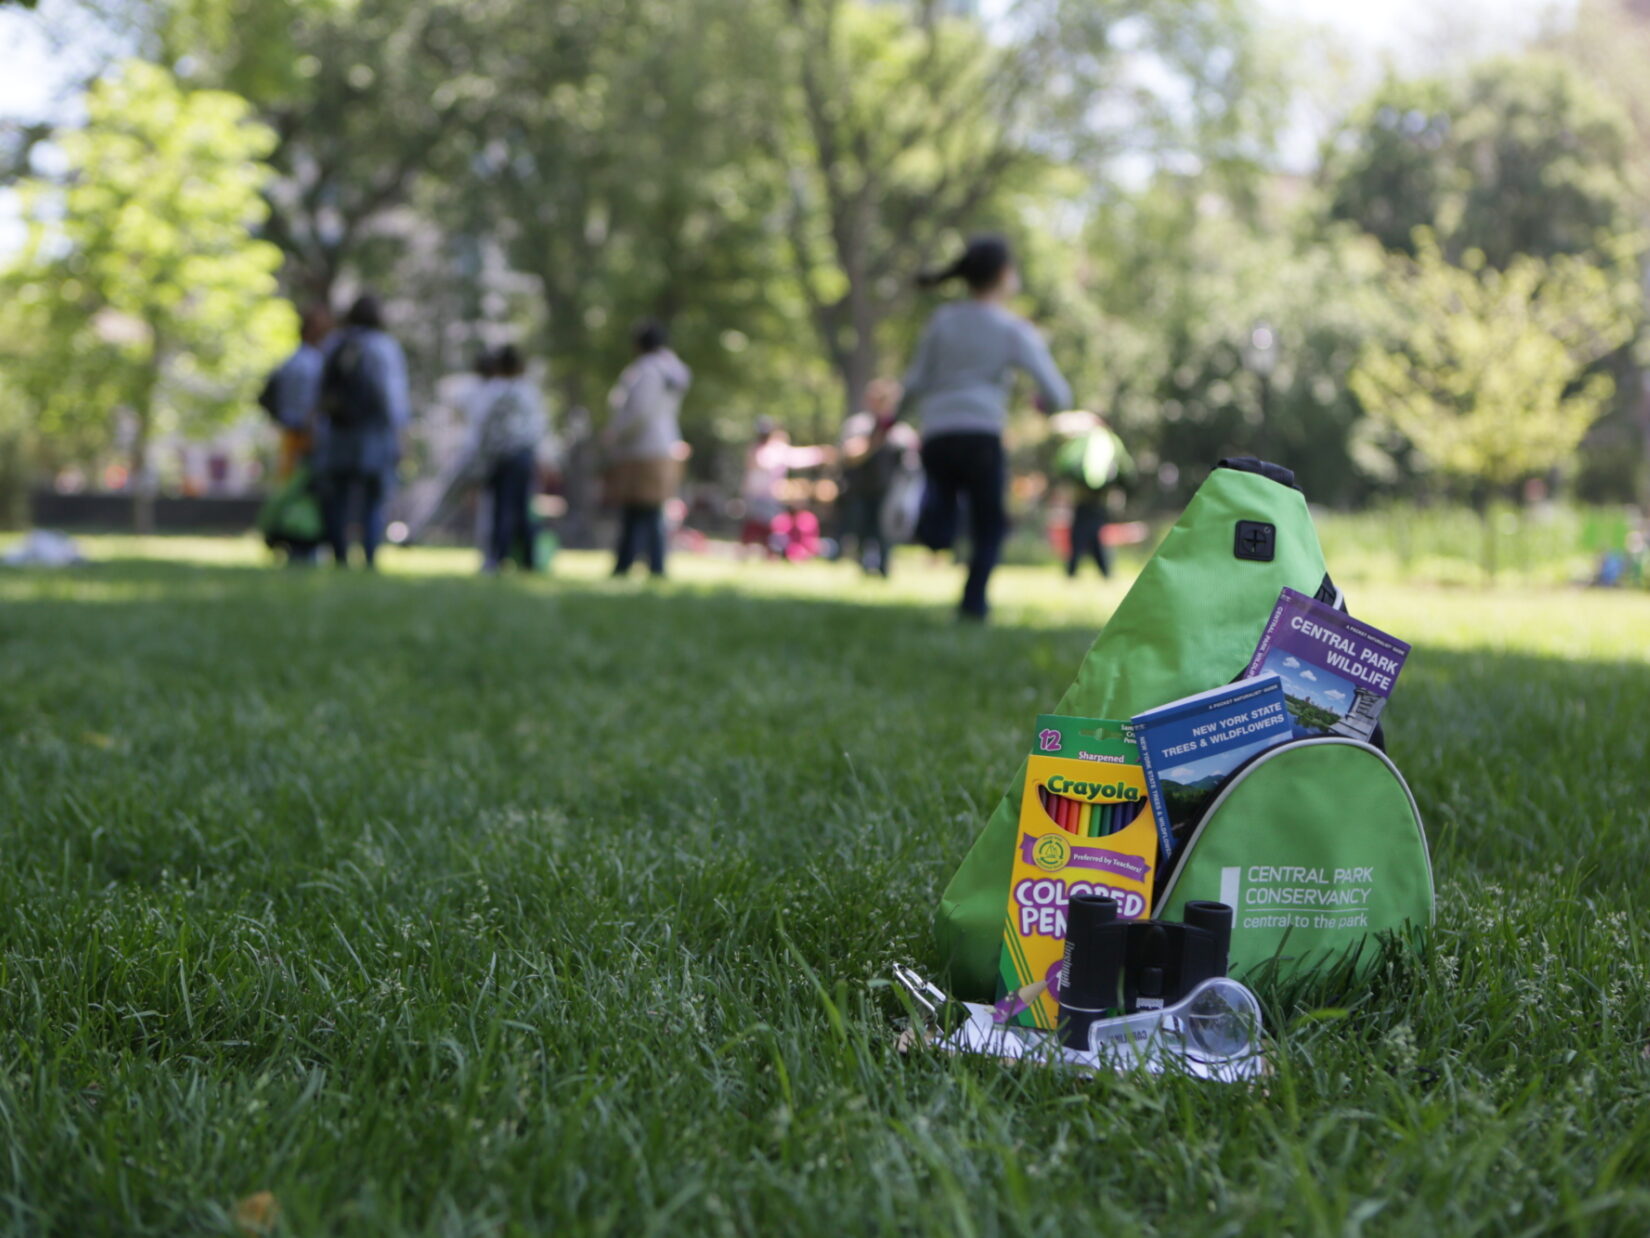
(1221, 1019)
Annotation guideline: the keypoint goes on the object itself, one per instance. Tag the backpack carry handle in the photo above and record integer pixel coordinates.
(1265, 468)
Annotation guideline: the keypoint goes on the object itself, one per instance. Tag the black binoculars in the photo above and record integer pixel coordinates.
(1117, 966)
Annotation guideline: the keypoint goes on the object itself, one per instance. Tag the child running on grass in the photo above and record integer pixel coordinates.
(1093, 461)
(959, 383)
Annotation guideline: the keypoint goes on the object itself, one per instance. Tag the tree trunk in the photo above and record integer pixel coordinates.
(320, 283)
(1644, 446)
(856, 352)
(1486, 521)
(859, 365)
(137, 477)
(856, 372)
(137, 472)
(14, 481)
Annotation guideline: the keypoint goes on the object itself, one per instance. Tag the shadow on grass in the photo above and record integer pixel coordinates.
(1516, 760)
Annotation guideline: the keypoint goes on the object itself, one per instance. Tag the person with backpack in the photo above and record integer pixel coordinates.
(513, 423)
(364, 407)
(1093, 462)
(959, 383)
(644, 442)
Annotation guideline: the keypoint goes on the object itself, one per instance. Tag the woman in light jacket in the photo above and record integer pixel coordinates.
(644, 442)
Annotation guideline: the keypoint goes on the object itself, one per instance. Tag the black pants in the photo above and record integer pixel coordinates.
(343, 493)
(1088, 520)
(510, 483)
(641, 533)
(966, 468)
(862, 521)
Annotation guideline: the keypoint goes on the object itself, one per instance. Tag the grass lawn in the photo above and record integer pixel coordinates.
(441, 905)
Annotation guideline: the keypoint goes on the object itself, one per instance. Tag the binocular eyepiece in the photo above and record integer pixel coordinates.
(1117, 966)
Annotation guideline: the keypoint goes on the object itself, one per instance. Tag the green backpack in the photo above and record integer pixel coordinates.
(1316, 844)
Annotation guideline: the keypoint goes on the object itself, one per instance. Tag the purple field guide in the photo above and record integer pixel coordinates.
(1337, 672)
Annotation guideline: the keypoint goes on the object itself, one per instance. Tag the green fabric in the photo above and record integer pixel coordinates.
(1315, 846)
(1190, 623)
(292, 513)
(1093, 460)
(545, 546)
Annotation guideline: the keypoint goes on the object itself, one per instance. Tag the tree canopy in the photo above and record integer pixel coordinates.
(1516, 157)
(769, 176)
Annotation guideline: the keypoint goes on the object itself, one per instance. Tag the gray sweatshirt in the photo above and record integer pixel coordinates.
(965, 363)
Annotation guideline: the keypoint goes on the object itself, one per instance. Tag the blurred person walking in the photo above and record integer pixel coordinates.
(875, 453)
(644, 444)
(959, 382)
(291, 518)
(1094, 462)
(364, 407)
(513, 424)
(290, 395)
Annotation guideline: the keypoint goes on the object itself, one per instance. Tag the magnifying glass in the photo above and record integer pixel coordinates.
(1218, 1021)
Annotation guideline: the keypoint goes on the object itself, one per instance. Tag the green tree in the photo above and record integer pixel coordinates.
(621, 170)
(902, 128)
(140, 289)
(769, 174)
(1522, 155)
(898, 133)
(364, 97)
(1489, 379)
(1610, 42)
(1519, 156)
(1204, 333)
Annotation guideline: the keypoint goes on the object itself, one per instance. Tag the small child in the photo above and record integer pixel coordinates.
(508, 437)
(1092, 460)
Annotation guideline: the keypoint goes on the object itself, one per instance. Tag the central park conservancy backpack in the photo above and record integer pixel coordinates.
(1316, 844)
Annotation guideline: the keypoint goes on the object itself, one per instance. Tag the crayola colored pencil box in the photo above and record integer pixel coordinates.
(1085, 826)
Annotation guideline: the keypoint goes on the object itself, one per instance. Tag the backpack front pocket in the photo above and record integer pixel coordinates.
(1316, 845)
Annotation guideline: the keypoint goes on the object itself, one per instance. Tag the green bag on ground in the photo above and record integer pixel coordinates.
(291, 516)
(1317, 811)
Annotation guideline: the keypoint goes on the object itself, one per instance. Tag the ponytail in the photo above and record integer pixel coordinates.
(981, 264)
(936, 276)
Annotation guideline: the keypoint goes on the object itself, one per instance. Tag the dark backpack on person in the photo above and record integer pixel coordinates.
(350, 396)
